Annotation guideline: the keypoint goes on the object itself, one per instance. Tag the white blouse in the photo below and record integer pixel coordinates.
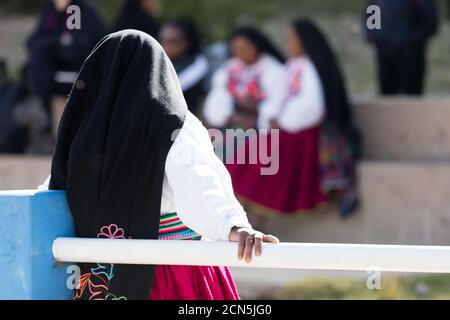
(219, 104)
(194, 73)
(198, 186)
(304, 108)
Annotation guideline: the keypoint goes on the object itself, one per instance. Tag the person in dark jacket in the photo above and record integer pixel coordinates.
(448, 9)
(57, 50)
(181, 42)
(139, 15)
(13, 137)
(401, 42)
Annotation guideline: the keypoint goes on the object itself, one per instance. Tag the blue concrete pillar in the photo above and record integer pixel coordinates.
(29, 222)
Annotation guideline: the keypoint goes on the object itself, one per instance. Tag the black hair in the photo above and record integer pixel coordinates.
(189, 30)
(261, 41)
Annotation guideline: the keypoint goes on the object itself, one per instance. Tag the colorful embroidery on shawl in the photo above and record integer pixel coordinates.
(99, 279)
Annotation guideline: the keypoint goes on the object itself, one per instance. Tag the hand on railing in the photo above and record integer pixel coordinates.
(249, 238)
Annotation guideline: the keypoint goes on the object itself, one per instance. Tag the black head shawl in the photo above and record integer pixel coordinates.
(256, 37)
(132, 16)
(321, 54)
(113, 140)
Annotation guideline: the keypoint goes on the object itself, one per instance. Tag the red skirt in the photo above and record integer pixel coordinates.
(193, 283)
(295, 188)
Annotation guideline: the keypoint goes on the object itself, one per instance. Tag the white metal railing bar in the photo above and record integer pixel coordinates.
(322, 256)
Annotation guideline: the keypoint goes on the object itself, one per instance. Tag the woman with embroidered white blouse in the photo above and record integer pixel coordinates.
(247, 90)
(314, 124)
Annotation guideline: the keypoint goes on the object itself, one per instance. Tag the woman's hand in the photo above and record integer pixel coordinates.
(249, 238)
(247, 103)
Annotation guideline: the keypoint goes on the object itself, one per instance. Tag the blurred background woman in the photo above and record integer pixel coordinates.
(339, 140)
(317, 140)
(246, 90)
(182, 44)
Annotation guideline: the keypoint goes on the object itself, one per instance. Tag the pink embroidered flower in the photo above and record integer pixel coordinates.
(111, 232)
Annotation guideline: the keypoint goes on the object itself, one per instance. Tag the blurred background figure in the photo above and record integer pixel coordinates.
(401, 44)
(55, 51)
(340, 141)
(216, 53)
(3, 71)
(12, 136)
(317, 137)
(139, 15)
(182, 44)
(448, 9)
(247, 89)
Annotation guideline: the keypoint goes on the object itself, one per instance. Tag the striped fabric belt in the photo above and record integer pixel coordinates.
(171, 228)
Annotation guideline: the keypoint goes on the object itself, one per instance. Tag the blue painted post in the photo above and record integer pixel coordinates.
(29, 222)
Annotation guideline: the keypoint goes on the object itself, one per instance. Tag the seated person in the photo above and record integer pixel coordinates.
(317, 141)
(55, 50)
(247, 90)
(181, 42)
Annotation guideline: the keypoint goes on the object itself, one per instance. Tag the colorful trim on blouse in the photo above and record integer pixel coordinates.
(171, 228)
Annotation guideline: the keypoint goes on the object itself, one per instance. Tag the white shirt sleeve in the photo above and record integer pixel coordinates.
(272, 82)
(307, 108)
(190, 76)
(201, 185)
(219, 104)
(45, 185)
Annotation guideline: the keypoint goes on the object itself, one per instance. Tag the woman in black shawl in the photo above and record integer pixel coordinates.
(122, 155)
(340, 140)
(181, 41)
(139, 15)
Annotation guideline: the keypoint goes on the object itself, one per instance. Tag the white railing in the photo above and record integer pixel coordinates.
(362, 257)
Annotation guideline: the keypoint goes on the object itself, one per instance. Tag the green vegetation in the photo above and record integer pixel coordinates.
(392, 288)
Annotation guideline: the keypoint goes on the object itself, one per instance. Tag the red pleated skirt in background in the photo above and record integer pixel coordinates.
(295, 188)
